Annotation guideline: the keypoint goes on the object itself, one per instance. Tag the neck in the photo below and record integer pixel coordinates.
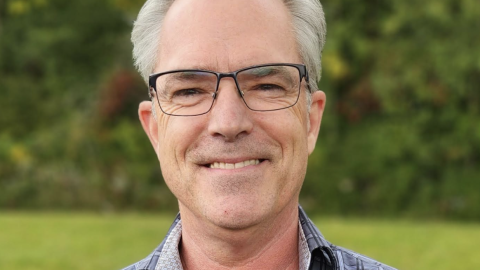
(273, 244)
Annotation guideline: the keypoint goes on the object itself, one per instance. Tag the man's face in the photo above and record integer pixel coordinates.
(225, 36)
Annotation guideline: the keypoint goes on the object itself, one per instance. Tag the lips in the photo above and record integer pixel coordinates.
(237, 165)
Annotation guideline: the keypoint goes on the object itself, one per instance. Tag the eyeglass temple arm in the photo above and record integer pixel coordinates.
(307, 80)
(151, 92)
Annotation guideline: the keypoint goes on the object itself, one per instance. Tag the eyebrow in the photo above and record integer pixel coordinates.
(267, 71)
(185, 76)
(201, 67)
(188, 75)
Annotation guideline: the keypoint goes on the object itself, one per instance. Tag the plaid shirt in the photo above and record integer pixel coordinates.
(315, 252)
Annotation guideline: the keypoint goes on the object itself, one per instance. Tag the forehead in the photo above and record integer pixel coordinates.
(226, 35)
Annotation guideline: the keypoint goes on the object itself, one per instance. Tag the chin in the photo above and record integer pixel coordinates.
(236, 217)
(236, 223)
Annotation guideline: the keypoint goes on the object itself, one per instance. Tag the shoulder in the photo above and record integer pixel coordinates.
(350, 260)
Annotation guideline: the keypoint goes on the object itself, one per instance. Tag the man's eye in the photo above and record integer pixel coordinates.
(269, 87)
(187, 92)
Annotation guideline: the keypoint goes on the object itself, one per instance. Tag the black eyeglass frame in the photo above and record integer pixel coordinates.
(152, 79)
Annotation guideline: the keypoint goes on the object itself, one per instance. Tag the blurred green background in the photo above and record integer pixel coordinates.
(400, 139)
(401, 134)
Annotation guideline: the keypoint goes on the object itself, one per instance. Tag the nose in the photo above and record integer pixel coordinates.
(229, 117)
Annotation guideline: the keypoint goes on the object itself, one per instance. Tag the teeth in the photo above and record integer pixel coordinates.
(229, 166)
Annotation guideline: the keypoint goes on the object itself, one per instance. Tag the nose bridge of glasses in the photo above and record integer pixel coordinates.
(232, 75)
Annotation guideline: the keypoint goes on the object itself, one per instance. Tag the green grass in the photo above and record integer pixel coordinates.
(87, 241)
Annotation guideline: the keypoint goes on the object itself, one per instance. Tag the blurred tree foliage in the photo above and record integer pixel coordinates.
(69, 133)
(400, 134)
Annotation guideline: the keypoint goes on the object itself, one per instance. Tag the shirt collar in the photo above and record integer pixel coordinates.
(317, 244)
(170, 257)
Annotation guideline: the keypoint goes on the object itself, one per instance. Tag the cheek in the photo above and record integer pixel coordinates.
(292, 135)
(294, 127)
(289, 129)
(176, 135)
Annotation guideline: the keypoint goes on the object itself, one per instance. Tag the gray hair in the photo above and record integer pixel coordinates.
(308, 22)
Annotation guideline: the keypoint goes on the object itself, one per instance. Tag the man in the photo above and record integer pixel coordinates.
(235, 112)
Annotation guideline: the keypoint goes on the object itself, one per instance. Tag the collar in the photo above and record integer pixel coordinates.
(319, 247)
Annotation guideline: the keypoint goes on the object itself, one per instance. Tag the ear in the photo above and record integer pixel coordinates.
(149, 123)
(315, 118)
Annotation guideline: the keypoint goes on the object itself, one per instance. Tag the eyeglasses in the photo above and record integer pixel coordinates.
(191, 92)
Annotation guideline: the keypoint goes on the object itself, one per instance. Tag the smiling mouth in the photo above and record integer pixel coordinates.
(230, 166)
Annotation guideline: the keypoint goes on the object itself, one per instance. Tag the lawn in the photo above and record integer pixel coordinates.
(89, 241)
